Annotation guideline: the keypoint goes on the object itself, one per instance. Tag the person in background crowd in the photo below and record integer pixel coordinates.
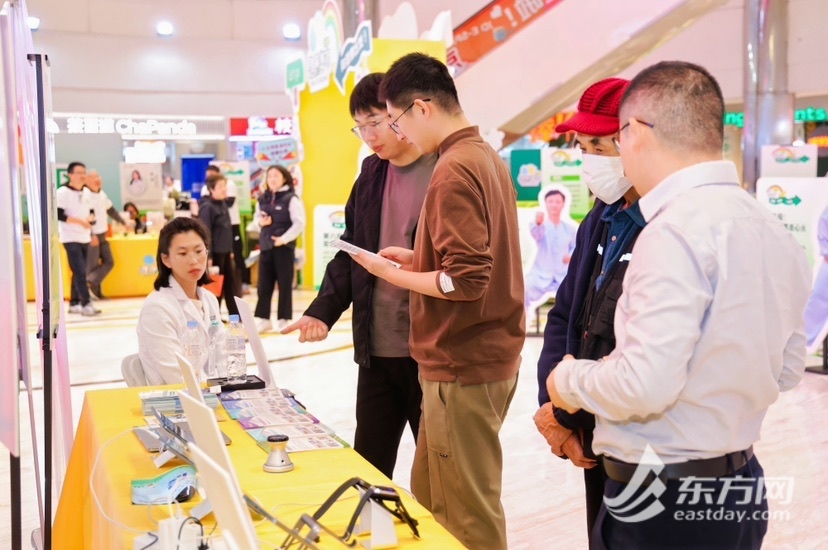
(281, 216)
(171, 188)
(75, 214)
(382, 211)
(135, 217)
(709, 330)
(99, 262)
(216, 218)
(242, 272)
(581, 322)
(555, 238)
(816, 312)
(183, 249)
(467, 315)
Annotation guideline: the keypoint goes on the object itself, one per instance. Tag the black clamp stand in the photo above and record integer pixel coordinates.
(374, 512)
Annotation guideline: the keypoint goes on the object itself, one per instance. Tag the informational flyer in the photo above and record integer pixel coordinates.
(328, 226)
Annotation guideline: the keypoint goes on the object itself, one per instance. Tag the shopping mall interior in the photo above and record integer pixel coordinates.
(166, 89)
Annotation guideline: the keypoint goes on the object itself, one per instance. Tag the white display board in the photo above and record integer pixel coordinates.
(798, 203)
(787, 161)
(141, 184)
(563, 166)
(328, 225)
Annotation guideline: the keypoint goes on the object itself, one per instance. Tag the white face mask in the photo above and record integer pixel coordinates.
(605, 177)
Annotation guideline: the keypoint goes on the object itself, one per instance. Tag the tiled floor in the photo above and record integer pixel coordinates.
(543, 495)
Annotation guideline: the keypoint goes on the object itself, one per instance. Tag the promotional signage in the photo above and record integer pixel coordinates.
(353, 51)
(295, 74)
(798, 203)
(329, 225)
(257, 127)
(283, 151)
(526, 173)
(137, 128)
(238, 173)
(809, 114)
(324, 38)
(492, 26)
(564, 166)
(141, 185)
(787, 161)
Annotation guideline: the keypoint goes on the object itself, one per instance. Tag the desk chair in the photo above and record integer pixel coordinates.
(133, 371)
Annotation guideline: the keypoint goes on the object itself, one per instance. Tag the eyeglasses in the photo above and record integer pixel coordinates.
(617, 139)
(394, 125)
(199, 254)
(369, 127)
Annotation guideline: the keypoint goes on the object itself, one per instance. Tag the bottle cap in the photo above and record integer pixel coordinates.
(234, 318)
(192, 324)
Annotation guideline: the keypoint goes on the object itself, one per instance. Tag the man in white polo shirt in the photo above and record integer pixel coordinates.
(75, 218)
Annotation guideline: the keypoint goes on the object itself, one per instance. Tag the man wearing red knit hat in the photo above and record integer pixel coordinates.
(581, 323)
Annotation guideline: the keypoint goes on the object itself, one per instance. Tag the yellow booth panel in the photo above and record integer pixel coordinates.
(132, 276)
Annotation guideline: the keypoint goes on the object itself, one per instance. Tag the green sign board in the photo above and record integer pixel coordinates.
(526, 173)
(811, 114)
(295, 74)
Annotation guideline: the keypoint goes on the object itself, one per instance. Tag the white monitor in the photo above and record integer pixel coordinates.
(255, 343)
(190, 378)
(204, 429)
(226, 496)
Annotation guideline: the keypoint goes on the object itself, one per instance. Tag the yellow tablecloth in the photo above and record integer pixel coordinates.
(79, 522)
(133, 274)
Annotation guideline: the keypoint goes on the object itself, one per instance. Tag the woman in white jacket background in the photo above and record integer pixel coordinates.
(183, 248)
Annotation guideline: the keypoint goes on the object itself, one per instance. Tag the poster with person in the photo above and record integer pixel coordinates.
(142, 185)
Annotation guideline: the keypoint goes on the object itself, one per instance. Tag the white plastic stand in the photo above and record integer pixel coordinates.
(374, 518)
(163, 458)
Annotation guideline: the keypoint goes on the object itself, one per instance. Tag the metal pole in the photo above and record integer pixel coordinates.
(769, 108)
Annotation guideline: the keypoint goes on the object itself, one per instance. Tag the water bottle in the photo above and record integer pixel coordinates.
(236, 356)
(194, 347)
(217, 360)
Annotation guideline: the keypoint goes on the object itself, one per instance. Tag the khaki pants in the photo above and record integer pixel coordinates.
(458, 465)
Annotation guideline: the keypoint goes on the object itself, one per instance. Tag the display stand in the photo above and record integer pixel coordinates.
(378, 521)
(824, 368)
(49, 329)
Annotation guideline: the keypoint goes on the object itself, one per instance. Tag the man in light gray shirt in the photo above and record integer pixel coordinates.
(709, 330)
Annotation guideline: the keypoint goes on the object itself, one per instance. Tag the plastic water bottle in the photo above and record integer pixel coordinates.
(236, 356)
(194, 347)
(217, 358)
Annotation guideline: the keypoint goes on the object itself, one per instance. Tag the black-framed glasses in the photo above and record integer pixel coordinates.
(368, 127)
(393, 124)
(617, 139)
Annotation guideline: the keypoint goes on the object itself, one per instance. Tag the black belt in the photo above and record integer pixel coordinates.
(719, 466)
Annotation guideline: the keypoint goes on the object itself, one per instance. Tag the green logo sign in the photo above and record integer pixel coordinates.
(295, 74)
(793, 201)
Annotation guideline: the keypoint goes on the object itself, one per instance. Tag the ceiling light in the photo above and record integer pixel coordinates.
(291, 31)
(164, 28)
(33, 22)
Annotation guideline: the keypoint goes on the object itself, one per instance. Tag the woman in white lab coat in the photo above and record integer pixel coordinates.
(183, 248)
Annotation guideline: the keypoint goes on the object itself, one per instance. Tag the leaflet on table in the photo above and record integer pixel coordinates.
(253, 407)
(310, 443)
(255, 394)
(290, 430)
(270, 419)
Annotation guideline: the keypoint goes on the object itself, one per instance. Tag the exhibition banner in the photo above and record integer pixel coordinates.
(526, 173)
(491, 27)
(563, 166)
(798, 203)
(239, 174)
(329, 225)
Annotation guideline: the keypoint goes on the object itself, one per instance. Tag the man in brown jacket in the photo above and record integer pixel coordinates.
(467, 317)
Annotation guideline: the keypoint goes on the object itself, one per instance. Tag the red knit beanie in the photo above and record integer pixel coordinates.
(597, 109)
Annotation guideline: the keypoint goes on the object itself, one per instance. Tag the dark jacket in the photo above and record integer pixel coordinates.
(346, 281)
(216, 217)
(560, 336)
(566, 326)
(276, 205)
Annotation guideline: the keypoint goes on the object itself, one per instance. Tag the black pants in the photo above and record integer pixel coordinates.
(238, 251)
(388, 397)
(678, 526)
(99, 261)
(231, 286)
(77, 254)
(594, 480)
(276, 266)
